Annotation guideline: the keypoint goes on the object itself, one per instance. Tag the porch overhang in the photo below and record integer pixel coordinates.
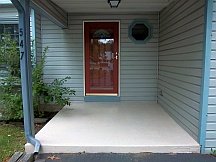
(102, 6)
(57, 10)
(51, 11)
(47, 8)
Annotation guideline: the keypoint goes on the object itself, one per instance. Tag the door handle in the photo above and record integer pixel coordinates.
(116, 55)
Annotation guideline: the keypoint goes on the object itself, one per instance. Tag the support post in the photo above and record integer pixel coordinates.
(23, 7)
(205, 74)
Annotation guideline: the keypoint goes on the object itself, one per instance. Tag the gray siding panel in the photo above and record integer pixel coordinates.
(138, 62)
(211, 117)
(8, 15)
(38, 36)
(180, 62)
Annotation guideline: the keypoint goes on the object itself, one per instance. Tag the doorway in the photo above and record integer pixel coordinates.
(101, 58)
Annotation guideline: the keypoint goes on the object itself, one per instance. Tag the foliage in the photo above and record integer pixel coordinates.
(9, 55)
(10, 91)
(213, 151)
(10, 96)
(56, 92)
(48, 93)
(12, 139)
(39, 88)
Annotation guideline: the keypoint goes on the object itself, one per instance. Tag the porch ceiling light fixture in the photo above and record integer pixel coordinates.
(114, 3)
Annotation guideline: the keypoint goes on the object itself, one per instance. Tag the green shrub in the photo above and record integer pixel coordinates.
(11, 98)
(10, 87)
(9, 56)
(48, 93)
(10, 90)
(213, 152)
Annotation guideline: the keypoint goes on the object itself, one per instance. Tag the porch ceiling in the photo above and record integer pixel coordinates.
(99, 6)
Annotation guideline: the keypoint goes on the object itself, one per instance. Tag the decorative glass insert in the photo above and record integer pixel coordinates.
(101, 59)
(140, 32)
(101, 34)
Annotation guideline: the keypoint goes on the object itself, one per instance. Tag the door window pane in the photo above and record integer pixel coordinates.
(101, 59)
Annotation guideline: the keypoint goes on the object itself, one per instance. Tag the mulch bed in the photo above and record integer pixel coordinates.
(38, 126)
(20, 124)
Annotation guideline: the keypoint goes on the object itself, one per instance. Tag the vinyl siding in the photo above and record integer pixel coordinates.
(180, 62)
(8, 15)
(138, 62)
(211, 117)
(38, 43)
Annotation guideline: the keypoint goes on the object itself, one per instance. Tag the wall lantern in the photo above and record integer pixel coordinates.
(114, 3)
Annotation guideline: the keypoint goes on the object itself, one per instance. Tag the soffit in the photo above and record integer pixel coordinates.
(101, 6)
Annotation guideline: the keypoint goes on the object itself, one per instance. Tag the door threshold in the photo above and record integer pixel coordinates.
(101, 94)
(101, 98)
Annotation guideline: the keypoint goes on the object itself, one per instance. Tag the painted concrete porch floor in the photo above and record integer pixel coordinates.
(120, 127)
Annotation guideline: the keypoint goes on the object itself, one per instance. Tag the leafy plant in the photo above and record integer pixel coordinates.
(10, 96)
(10, 90)
(56, 92)
(213, 152)
(39, 88)
(9, 55)
(48, 93)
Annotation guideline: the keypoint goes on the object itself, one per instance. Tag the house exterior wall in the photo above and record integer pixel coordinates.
(35, 31)
(211, 117)
(8, 15)
(138, 62)
(180, 62)
(38, 43)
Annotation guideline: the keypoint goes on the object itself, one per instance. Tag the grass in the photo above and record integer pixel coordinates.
(12, 139)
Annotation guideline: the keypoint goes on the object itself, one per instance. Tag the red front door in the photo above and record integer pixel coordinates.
(101, 58)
